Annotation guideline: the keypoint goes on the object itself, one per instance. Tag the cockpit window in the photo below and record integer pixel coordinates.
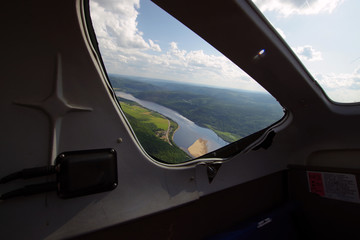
(324, 35)
(181, 96)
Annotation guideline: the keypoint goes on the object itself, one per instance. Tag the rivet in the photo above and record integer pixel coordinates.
(115, 184)
(119, 140)
(62, 155)
(112, 150)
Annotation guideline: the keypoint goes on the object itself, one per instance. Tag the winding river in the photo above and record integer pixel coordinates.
(188, 131)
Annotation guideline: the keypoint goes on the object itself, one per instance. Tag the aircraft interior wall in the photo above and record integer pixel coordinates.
(55, 99)
(283, 197)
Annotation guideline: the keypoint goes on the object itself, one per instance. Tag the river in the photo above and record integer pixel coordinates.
(188, 131)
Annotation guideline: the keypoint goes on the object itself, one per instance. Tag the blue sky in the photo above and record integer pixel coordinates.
(138, 38)
(334, 34)
(158, 24)
(325, 36)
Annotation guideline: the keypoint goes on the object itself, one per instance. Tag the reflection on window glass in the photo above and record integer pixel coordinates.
(324, 35)
(181, 96)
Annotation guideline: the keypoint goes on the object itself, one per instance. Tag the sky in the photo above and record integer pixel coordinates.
(138, 38)
(324, 34)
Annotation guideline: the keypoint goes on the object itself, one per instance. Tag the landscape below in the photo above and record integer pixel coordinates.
(231, 114)
(154, 132)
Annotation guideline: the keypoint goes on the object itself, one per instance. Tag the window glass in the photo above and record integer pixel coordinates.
(324, 35)
(181, 96)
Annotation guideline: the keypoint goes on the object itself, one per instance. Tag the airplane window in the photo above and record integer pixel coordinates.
(181, 96)
(324, 35)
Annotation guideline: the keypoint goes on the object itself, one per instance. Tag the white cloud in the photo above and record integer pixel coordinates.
(299, 7)
(196, 66)
(308, 53)
(125, 51)
(344, 95)
(115, 24)
(281, 32)
(341, 87)
(357, 71)
(154, 46)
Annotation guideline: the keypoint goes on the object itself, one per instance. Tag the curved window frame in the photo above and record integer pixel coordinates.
(254, 141)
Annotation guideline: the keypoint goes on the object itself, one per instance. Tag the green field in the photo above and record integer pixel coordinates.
(226, 136)
(145, 116)
(150, 128)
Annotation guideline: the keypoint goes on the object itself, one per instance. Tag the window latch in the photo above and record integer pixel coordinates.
(212, 169)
